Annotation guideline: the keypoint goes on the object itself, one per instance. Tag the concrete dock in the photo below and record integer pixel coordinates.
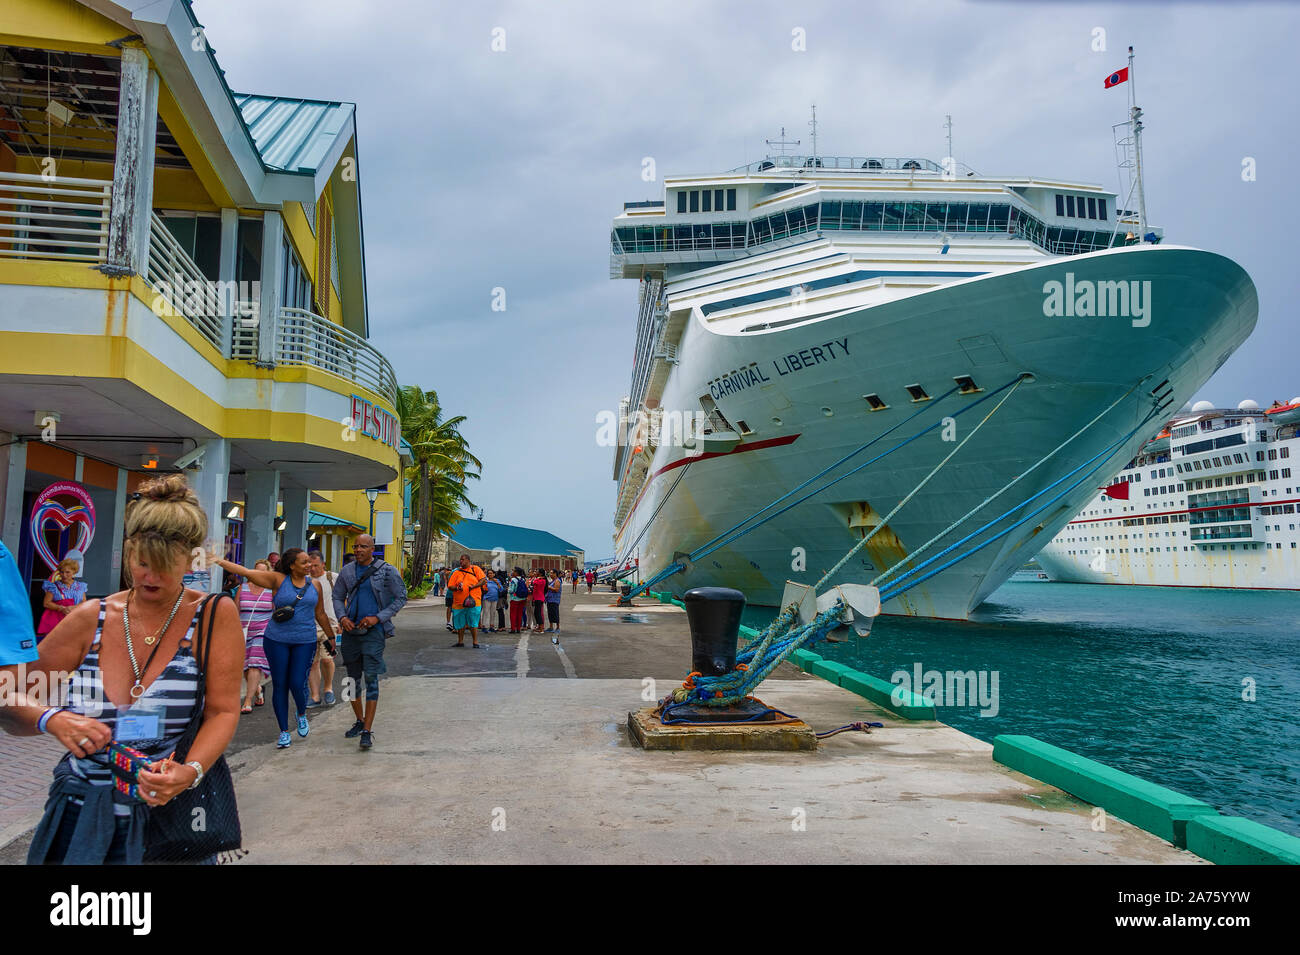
(519, 753)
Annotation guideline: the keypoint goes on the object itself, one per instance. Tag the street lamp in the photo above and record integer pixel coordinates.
(371, 494)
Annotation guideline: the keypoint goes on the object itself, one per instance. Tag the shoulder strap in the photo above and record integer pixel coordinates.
(202, 648)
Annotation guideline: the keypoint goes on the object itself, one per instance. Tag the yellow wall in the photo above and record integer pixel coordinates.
(353, 506)
(57, 25)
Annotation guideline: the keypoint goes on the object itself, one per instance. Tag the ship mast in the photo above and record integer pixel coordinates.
(1135, 124)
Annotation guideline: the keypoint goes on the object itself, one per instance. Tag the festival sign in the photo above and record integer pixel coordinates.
(48, 509)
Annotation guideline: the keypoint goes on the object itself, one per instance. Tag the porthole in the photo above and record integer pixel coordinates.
(827, 412)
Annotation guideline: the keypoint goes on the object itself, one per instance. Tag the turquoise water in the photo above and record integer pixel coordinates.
(1146, 679)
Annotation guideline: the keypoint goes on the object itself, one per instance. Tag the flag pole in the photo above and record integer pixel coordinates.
(1135, 122)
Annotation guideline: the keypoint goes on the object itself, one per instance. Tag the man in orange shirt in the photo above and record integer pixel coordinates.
(466, 583)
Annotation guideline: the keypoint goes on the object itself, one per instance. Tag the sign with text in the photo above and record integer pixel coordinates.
(375, 422)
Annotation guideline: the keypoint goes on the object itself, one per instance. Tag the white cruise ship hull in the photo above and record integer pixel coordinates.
(992, 328)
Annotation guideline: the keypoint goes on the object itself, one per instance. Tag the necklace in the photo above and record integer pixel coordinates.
(137, 689)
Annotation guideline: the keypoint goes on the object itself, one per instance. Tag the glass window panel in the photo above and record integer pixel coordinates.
(248, 266)
(1092, 207)
(998, 214)
(894, 213)
(1060, 204)
(681, 236)
(810, 216)
(913, 216)
(1069, 206)
(695, 200)
(1101, 209)
(851, 216)
(681, 201)
(936, 214)
(707, 201)
(977, 218)
(796, 221)
(831, 214)
(957, 216)
(731, 200)
(717, 200)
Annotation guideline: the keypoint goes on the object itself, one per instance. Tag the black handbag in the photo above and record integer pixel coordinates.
(201, 822)
(285, 614)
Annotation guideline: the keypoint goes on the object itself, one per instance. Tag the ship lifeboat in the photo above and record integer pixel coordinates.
(1159, 443)
(1284, 414)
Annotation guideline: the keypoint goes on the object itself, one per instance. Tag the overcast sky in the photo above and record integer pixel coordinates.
(483, 170)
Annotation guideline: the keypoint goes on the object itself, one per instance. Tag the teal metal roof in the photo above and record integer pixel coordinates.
(293, 135)
(317, 519)
(484, 535)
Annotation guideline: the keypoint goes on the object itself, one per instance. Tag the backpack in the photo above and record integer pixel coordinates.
(521, 587)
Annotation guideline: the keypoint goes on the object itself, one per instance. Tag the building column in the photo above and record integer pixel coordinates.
(261, 494)
(226, 268)
(268, 303)
(118, 527)
(211, 483)
(15, 464)
(132, 198)
(295, 516)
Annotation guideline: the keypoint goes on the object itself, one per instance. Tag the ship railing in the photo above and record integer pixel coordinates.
(866, 164)
(305, 338)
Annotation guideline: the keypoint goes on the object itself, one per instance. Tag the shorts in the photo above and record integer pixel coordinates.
(463, 617)
(364, 656)
(448, 598)
(553, 611)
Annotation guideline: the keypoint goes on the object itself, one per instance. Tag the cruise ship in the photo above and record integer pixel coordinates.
(1209, 502)
(792, 309)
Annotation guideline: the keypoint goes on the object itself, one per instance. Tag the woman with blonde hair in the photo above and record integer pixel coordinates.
(62, 592)
(152, 667)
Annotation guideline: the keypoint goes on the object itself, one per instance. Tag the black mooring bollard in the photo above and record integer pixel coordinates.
(714, 615)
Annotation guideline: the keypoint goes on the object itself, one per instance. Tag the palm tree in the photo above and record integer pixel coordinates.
(443, 465)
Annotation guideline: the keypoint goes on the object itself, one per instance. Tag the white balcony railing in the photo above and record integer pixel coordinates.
(181, 284)
(305, 338)
(61, 219)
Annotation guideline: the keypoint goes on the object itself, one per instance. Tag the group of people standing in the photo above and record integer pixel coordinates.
(291, 609)
(476, 600)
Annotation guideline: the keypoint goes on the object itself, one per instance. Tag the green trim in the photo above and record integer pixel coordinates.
(1158, 810)
(1229, 840)
(890, 696)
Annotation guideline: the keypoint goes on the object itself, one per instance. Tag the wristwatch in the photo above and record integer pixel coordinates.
(198, 768)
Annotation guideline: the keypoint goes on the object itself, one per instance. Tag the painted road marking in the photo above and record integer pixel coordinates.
(569, 671)
(521, 656)
(639, 608)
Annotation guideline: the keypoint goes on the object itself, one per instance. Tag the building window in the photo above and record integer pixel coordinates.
(1092, 207)
(1069, 206)
(717, 200)
(707, 205)
(731, 200)
(681, 201)
(695, 200)
(1101, 209)
(1060, 204)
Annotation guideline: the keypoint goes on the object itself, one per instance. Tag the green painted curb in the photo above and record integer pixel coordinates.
(1158, 810)
(910, 706)
(803, 659)
(1229, 840)
(829, 670)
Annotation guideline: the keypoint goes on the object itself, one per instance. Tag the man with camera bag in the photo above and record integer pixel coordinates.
(466, 587)
(367, 595)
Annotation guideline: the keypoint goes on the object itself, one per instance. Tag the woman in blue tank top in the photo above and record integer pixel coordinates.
(290, 643)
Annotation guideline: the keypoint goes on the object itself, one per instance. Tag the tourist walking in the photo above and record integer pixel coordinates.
(554, 591)
(368, 593)
(466, 586)
(591, 579)
(538, 584)
(61, 594)
(290, 636)
(321, 675)
(491, 593)
(255, 605)
(518, 592)
(137, 650)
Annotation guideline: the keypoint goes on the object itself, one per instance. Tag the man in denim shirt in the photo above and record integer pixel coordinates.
(367, 594)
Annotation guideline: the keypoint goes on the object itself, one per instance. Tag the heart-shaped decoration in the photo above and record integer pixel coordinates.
(47, 510)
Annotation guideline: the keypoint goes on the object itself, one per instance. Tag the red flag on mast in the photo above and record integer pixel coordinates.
(1116, 78)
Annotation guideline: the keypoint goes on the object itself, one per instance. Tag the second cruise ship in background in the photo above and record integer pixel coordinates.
(803, 305)
(1209, 502)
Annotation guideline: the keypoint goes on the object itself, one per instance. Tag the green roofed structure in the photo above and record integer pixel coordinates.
(526, 547)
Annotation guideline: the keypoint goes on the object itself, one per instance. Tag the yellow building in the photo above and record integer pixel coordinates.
(182, 286)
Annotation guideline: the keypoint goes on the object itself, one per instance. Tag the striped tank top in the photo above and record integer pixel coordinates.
(175, 692)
